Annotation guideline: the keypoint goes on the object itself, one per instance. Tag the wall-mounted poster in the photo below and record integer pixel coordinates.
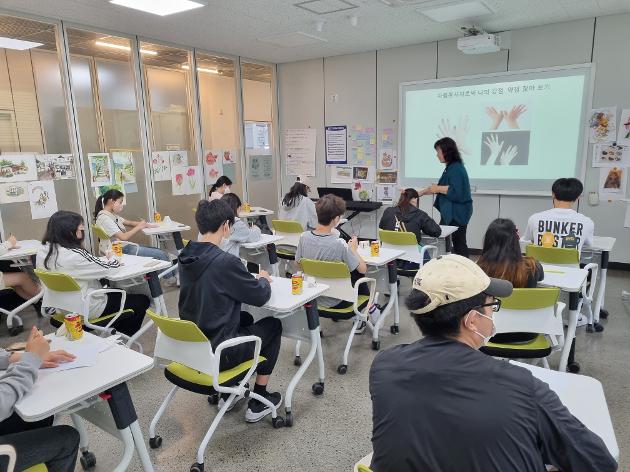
(363, 173)
(214, 164)
(43, 199)
(100, 169)
(261, 167)
(387, 160)
(386, 177)
(612, 183)
(161, 165)
(55, 166)
(14, 192)
(336, 144)
(340, 174)
(386, 193)
(611, 155)
(17, 168)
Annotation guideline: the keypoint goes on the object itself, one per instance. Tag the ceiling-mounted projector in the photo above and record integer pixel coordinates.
(477, 41)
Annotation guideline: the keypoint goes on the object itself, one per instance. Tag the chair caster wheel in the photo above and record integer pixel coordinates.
(342, 369)
(15, 330)
(598, 327)
(288, 420)
(297, 361)
(277, 422)
(196, 467)
(88, 460)
(574, 367)
(589, 328)
(394, 329)
(318, 388)
(603, 313)
(376, 345)
(213, 399)
(156, 442)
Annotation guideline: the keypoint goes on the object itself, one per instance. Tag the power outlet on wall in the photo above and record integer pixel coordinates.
(334, 97)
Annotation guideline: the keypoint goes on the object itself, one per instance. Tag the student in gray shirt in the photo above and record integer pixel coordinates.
(322, 244)
(296, 206)
(34, 443)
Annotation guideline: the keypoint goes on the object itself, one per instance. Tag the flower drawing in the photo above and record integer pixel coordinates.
(191, 177)
(179, 179)
(211, 159)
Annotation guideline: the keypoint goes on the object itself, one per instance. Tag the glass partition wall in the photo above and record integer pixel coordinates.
(179, 180)
(261, 162)
(218, 109)
(38, 172)
(103, 83)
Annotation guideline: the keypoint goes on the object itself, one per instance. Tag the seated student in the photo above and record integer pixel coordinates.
(34, 442)
(322, 244)
(19, 281)
(561, 226)
(220, 188)
(62, 250)
(296, 206)
(441, 405)
(406, 216)
(501, 258)
(214, 284)
(243, 233)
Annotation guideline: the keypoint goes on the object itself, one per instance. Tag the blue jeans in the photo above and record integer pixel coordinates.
(146, 251)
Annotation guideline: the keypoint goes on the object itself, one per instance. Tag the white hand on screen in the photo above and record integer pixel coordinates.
(508, 156)
(458, 133)
(495, 146)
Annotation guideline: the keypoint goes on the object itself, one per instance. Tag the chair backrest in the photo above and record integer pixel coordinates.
(100, 233)
(334, 274)
(9, 451)
(401, 241)
(182, 341)
(61, 291)
(290, 231)
(553, 255)
(363, 468)
(530, 310)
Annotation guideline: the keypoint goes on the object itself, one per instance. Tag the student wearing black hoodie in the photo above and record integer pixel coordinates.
(406, 216)
(214, 284)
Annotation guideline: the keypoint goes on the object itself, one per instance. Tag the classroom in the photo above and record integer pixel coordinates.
(316, 235)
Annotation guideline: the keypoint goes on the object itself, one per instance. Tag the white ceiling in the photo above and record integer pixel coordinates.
(236, 26)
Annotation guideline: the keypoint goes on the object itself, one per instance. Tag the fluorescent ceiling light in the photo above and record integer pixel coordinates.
(10, 43)
(201, 69)
(124, 48)
(456, 11)
(160, 7)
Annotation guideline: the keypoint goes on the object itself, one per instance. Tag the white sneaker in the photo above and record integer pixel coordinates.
(256, 410)
(360, 327)
(222, 401)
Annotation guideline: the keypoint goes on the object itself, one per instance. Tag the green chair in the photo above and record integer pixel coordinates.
(290, 231)
(536, 311)
(195, 367)
(101, 235)
(363, 464)
(37, 468)
(571, 258)
(363, 468)
(406, 241)
(336, 276)
(62, 292)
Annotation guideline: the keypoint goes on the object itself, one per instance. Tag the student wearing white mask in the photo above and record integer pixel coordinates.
(220, 188)
(439, 404)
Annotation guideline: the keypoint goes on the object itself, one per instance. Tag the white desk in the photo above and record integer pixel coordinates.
(570, 280)
(385, 260)
(136, 266)
(22, 257)
(584, 398)
(255, 213)
(290, 309)
(77, 391)
(447, 231)
(169, 228)
(263, 241)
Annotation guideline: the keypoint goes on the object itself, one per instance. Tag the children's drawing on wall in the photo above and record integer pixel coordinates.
(100, 169)
(42, 198)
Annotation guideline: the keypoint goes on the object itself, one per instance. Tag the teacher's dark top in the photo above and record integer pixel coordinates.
(456, 205)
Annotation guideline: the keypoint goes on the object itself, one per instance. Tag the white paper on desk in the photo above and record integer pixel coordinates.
(85, 349)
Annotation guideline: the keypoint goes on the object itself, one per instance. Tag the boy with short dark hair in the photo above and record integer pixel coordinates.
(214, 284)
(561, 226)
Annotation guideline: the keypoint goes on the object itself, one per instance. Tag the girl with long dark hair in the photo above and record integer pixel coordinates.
(296, 206)
(220, 188)
(62, 251)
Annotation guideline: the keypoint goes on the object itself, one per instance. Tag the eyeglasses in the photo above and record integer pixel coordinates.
(496, 305)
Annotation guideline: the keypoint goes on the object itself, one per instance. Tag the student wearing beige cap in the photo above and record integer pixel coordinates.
(441, 405)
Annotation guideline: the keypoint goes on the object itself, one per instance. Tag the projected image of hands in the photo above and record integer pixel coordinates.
(506, 139)
(458, 132)
(508, 117)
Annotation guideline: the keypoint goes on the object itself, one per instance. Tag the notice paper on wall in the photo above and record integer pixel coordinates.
(299, 151)
(362, 146)
(17, 167)
(612, 183)
(43, 199)
(387, 138)
(55, 166)
(336, 144)
(385, 193)
(261, 167)
(340, 174)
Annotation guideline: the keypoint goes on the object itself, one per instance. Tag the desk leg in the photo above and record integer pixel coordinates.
(601, 293)
(126, 420)
(570, 364)
(179, 242)
(448, 244)
(312, 318)
(160, 307)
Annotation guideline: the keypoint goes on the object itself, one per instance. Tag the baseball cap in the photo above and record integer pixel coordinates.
(452, 278)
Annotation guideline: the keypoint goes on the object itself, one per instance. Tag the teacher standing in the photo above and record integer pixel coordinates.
(453, 199)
